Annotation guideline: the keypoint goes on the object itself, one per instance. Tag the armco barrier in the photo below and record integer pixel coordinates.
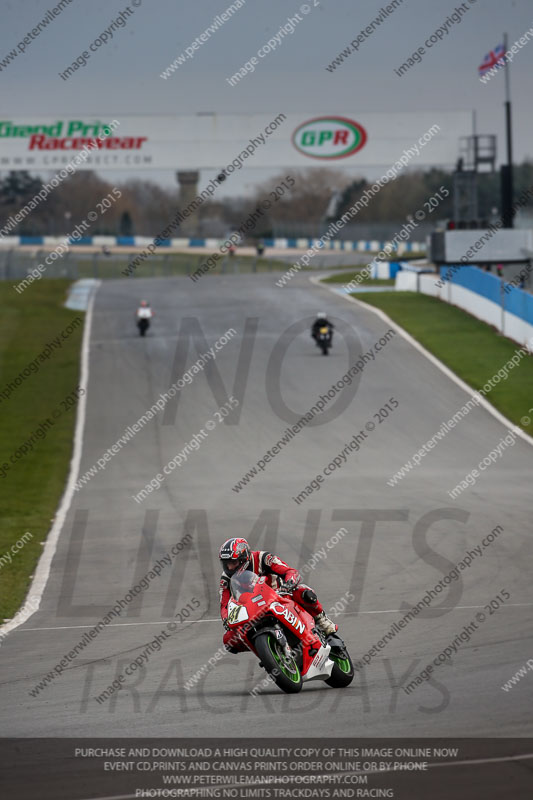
(482, 295)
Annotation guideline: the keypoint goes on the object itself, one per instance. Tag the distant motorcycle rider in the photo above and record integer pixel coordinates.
(236, 555)
(321, 321)
(144, 311)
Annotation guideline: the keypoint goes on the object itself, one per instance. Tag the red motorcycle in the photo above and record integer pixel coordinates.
(284, 636)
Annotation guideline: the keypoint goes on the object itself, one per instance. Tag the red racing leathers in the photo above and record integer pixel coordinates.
(264, 563)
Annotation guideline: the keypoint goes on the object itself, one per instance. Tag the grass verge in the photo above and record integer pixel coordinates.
(31, 485)
(469, 347)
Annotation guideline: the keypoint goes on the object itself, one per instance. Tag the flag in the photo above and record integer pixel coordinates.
(494, 59)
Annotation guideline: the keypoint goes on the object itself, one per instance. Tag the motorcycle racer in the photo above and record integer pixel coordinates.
(144, 311)
(321, 321)
(236, 554)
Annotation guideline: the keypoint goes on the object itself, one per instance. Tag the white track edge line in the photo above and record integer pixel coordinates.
(42, 572)
(217, 619)
(434, 360)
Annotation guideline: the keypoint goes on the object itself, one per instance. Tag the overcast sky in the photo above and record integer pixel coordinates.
(124, 76)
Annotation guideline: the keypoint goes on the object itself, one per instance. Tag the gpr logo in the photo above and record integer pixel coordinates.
(329, 137)
(281, 611)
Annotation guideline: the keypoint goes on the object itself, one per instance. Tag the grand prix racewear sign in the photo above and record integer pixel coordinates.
(51, 144)
(72, 135)
(351, 139)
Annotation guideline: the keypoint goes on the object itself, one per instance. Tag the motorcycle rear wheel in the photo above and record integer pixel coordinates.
(285, 674)
(342, 672)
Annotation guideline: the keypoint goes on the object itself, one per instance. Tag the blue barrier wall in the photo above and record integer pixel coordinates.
(519, 303)
(394, 268)
(515, 301)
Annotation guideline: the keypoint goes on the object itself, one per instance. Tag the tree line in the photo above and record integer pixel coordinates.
(145, 205)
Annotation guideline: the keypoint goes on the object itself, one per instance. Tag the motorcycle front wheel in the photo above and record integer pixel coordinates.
(282, 670)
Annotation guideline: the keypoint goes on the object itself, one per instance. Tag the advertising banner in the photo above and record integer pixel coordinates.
(210, 141)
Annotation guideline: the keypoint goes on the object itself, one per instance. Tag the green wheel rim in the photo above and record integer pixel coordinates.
(292, 676)
(342, 663)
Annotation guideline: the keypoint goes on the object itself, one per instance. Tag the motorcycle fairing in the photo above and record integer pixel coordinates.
(236, 613)
(321, 666)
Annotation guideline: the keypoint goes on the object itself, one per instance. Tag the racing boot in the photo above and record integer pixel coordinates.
(325, 624)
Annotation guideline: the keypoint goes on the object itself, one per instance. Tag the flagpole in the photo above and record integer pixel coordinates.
(507, 172)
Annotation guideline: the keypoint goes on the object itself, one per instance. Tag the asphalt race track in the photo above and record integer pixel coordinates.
(406, 537)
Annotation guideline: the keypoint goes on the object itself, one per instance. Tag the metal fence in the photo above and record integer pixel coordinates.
(17, 265)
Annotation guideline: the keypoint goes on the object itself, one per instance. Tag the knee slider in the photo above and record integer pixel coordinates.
(309, 596)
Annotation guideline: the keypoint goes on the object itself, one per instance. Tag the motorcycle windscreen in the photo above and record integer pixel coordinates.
(242, 582)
